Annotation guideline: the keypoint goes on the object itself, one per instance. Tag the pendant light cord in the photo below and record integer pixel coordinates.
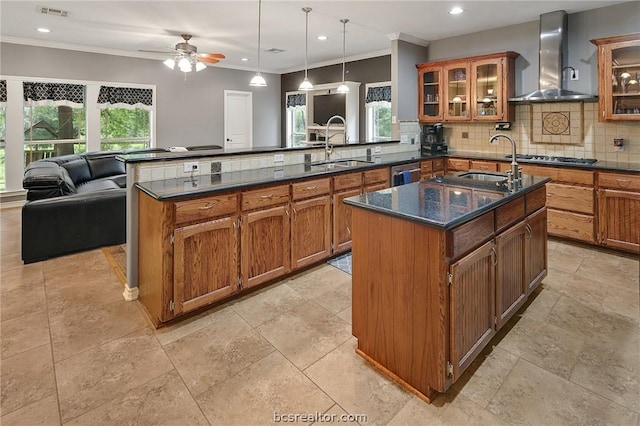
(259, 21)
(344, 44)
(306, 38)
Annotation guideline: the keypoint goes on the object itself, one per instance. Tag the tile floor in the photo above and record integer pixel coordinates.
(74, 352)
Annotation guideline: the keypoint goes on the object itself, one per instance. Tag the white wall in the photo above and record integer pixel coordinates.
(188, 112)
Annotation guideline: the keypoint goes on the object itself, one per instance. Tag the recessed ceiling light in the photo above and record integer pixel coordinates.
(43, 30)
(322, 37)
(456, 11)
(244, 59)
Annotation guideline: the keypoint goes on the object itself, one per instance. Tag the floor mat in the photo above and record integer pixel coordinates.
(117, 258)
(342, 262)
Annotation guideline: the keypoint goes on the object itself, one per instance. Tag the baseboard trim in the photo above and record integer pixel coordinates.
(130, 294)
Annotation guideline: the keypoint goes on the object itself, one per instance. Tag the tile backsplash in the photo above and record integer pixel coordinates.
(595, 140)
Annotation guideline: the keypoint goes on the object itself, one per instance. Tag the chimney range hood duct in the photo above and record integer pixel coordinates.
(553, 41)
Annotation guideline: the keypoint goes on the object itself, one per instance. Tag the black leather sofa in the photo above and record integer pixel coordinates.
(74, 203)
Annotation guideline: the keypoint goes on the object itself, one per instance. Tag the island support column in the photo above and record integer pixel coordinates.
(131, 286)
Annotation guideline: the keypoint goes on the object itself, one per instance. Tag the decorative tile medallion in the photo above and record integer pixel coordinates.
(556, 123)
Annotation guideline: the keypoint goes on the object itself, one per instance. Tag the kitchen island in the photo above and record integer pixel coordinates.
(439, 266)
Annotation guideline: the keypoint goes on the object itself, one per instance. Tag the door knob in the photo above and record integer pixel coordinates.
(228, 140)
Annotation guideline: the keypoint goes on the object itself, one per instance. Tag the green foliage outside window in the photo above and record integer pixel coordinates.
(124, 129)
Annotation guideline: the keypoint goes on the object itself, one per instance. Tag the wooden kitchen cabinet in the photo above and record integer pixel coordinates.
(472, 307)
(511, 289)
(310, 222)
(487, 166)
(467, 89)
(619, 211)
(536, 249)
(431, 168)
(618, 77)
(457, 165)
(342, 220)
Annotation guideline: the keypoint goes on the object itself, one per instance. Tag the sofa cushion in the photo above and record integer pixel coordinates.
(49, 178)
(104, 165)
(120, 180)
(78, 170)
(96, 185)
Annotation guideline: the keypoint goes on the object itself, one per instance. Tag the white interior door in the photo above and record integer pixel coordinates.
(238, 111)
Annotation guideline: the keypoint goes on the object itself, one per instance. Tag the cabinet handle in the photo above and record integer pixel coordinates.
(529, 232)
(266, 196)
(309, 188)
(206, 207)
(349, 231)
(623, 180)
(287, 212)
(495, 256)
(295, 212)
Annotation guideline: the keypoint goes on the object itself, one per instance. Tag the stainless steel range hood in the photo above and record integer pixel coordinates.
(553, 41)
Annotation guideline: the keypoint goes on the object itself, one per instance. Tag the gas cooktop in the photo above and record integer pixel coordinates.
(550, 159)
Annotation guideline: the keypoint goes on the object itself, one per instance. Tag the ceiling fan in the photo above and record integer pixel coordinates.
(187, 56)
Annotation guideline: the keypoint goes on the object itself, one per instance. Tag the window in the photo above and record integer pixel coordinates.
(378, 109)
(296, 119)
(125, 119)
(54, 120)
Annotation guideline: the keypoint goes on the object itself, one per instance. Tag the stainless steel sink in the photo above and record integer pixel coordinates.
(486, 177)
(329, 165)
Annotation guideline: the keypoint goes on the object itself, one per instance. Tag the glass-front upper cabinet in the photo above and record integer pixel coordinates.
(457, 92)
(487, 104)
(618, 77)
(429, 79)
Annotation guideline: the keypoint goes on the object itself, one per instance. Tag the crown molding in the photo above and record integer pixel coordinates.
(360, 57)
(408, 38)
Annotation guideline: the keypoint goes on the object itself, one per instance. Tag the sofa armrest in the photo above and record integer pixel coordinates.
(45, 179)
(73, 223)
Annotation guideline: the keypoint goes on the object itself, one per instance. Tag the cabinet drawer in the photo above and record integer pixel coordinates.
(438, 164)
(347, 180)
(426, 166)
(571, 225)
(376, 176)
(489, 166)
(463, 238)
(536, 199)
(509, 213)
(559, 174)
(310, 188)
(457, 164)
(205, 208)
(619, 181)
(265, 197)
(573, 198)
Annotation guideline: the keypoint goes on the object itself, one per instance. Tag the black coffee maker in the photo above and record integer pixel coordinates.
(433, 139)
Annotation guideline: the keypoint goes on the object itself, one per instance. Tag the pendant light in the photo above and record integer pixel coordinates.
(343, 88)
(258, 80)
(306, 84)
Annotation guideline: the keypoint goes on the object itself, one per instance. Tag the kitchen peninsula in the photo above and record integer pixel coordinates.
(439, 266)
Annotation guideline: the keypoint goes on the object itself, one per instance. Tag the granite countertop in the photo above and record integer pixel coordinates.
(443, 202)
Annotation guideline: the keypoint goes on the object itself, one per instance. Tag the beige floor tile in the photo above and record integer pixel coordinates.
(77, 263)
(485, 375)
(608, 273)
(210, 355)
(463, 411)
(94, 377)
(357, 386)
(544, 345)
(418, 413)
(270, 387)
(562, 262)
(541, 302)
(622, 301)
(164, 400)
(582, 289)
(326, 285)
(74, 295)
(531, 395)
(80, 328)
(11, 246)
(23, 333)
(346, 315)
(26, 378)
(262, 306)
(40, 413)
(306, 333)
(13, 279)
(173, 332)
(335, 414)
(10, 261)
(22, 292)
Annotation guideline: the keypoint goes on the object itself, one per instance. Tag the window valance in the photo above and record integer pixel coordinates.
(125, 97)
(45, 94)
(297, 99)
(3, 92)
(377, 94)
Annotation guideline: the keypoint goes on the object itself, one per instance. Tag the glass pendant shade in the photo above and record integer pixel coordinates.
(343, 88)
(170, 63)
(306, 84)
(258, 81)
(456, 99)
(200, 66)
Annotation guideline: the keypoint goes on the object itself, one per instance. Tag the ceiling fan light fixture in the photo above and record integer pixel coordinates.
(306, 84)
(170, 63)
(200, 66)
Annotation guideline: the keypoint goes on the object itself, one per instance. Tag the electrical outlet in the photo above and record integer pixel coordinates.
(377, 150)
(574, 75)
(191, 166)
(278, 158)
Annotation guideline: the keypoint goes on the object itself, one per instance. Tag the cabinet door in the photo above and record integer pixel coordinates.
(430, 94)
(342, 220)
(265, 245)
(619, 218)
(310, 231)
(536, 253)
(472, 306)
(456, 92)
(511, 289)
(205, 263)
(486, 88)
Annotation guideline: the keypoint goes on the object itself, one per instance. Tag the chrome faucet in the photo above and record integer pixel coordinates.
(327, 148)
(515, 173)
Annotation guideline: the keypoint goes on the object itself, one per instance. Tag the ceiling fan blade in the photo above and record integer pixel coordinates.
(211, 55)
(208, 60)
